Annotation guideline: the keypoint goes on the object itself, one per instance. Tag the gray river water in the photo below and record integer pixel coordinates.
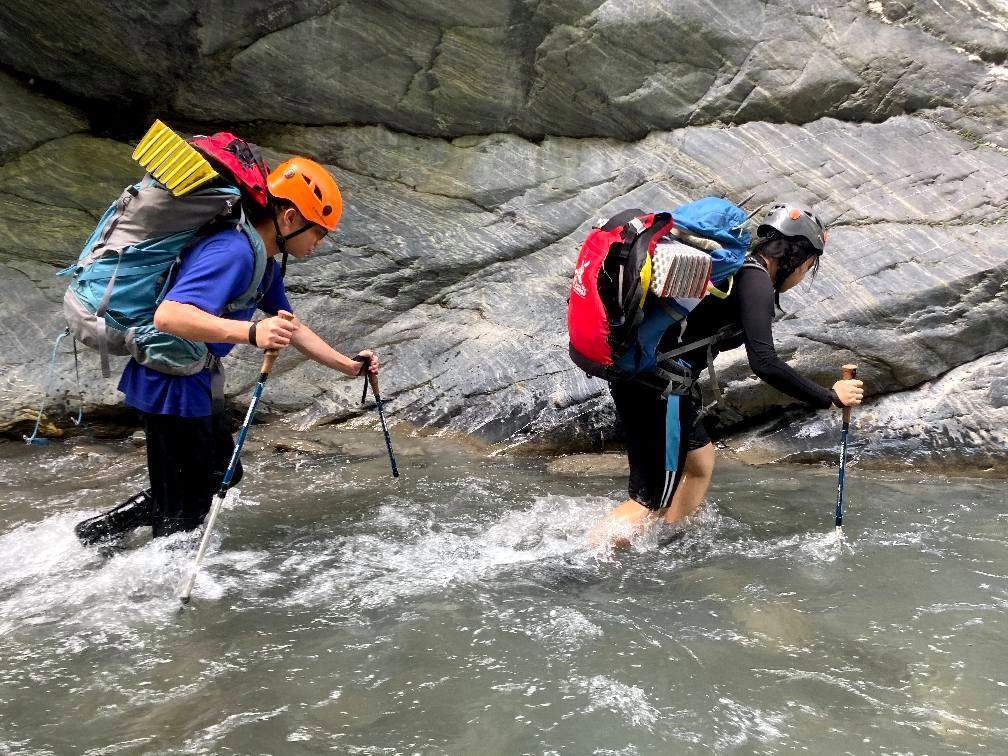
(456, 610)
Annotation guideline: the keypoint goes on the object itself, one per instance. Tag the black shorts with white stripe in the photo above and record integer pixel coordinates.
(654, 437)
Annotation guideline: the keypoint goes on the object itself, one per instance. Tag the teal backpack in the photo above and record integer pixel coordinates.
(129, 262)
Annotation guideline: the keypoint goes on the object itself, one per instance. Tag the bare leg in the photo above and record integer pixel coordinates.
(694, 484)
(619, 527)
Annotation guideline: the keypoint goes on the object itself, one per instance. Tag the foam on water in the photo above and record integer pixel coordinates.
(628, 702)
(710, 535)
(417, 553)
(48, 577)
(740, 723)
(207, 741)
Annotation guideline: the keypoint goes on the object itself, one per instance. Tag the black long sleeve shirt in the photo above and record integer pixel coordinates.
(749, 308)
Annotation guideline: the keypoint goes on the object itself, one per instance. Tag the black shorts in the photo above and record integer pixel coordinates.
(698, 437)
(658, 438)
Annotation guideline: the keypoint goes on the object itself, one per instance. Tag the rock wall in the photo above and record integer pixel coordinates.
(476, 145)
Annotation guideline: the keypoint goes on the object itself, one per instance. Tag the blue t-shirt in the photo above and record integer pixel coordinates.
(217, 270)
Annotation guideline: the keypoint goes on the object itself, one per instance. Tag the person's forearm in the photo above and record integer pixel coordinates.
(782, 377)
(191, 322)
(756, 310)
(311, 345)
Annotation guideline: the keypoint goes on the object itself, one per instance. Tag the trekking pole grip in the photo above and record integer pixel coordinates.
(271, 354)
(849, 373)
(373, 380)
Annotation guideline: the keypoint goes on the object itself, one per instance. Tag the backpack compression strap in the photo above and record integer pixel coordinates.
(638, 240)
(127, 196)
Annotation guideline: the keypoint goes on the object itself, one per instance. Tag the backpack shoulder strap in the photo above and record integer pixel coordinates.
(620, 219)
(251, 294)
(752, 261)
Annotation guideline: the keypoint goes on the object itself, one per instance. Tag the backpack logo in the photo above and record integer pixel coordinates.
(578, 285)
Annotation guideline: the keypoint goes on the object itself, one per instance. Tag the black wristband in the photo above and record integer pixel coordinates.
(252, 334)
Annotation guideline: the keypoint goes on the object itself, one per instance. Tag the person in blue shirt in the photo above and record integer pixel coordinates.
(188, 438)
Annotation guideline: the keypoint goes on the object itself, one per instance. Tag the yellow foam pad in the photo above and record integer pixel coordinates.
(172, 160)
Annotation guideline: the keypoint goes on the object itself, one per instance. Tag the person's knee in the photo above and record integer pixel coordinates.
(700, 463)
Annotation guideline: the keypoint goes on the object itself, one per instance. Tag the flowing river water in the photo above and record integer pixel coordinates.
(456, 610)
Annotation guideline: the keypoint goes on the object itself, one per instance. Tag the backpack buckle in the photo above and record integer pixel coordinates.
(677, 375)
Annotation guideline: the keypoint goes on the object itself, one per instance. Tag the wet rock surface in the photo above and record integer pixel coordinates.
(28, 119)
(958, 422)
(589, 465)
(617, 68)
(526, 125)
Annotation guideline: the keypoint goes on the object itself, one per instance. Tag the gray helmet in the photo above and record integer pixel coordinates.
(796, 221)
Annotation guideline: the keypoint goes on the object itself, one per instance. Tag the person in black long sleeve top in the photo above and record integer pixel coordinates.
(788, 245)
(750, 309)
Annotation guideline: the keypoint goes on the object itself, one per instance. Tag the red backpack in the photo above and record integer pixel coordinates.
(611, 279)
(237, 160)
(680, 256)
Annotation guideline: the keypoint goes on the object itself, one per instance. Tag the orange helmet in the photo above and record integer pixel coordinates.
(310, 187)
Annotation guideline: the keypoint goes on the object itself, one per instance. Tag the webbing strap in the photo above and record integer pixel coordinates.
(100, 325)
(103, 355)
(97, 249)
(80, 392)
(45, 388)
(718, 396)
(666, 358)
(714, 291)
(676, 381)
(216, 383)
(687, 348)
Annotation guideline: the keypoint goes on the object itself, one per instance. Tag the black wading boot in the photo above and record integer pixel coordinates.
(136, 512)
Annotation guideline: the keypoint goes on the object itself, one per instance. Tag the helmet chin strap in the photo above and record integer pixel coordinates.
(281, 242)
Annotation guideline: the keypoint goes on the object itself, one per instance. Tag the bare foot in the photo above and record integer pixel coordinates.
(621, 526)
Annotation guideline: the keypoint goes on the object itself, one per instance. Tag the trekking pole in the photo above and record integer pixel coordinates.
(849, 374)
(372, 379)
(267, 365)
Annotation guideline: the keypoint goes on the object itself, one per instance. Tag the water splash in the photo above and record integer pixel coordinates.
(417, 553)
(48, 577)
